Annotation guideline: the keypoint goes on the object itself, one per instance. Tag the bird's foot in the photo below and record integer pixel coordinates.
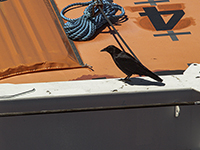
(125, 80)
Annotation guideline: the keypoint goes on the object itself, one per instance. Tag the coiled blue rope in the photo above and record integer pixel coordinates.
(84, 27)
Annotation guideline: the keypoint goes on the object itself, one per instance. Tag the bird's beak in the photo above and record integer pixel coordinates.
(103, 50)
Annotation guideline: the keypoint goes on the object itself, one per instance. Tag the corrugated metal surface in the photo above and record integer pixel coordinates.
(32, 38)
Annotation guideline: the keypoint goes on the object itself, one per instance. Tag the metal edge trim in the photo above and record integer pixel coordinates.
(70, 41)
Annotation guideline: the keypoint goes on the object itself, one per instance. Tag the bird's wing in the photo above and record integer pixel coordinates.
(127, 63)
(130, 65)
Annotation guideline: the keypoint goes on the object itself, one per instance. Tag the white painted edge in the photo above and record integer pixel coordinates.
(189, 80)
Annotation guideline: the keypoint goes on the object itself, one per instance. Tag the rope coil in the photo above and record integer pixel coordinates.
(84, 27)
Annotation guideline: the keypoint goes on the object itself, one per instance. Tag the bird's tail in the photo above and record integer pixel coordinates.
(154, 76)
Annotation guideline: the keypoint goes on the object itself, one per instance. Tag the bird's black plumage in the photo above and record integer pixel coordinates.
(128, 64)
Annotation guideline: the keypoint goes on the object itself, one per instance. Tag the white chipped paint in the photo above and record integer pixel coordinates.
(189, 80)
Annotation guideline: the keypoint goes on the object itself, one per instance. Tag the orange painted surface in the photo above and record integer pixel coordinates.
(32, 39)
(156, 53)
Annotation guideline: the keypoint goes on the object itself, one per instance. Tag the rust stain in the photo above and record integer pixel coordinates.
(145, 23)
(96, 76)
(184, 23)
(164, 7)
(134, 9)
(180, 6)
(37, 67)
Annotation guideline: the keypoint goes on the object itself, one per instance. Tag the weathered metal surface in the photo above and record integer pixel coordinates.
(32, 39)
(159, 50)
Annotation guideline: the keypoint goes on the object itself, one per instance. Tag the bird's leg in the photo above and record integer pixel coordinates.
(126, 79)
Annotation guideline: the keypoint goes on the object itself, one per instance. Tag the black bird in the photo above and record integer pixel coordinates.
(128, 64)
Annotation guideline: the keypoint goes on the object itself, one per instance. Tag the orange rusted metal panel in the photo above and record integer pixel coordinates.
(32, 39)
